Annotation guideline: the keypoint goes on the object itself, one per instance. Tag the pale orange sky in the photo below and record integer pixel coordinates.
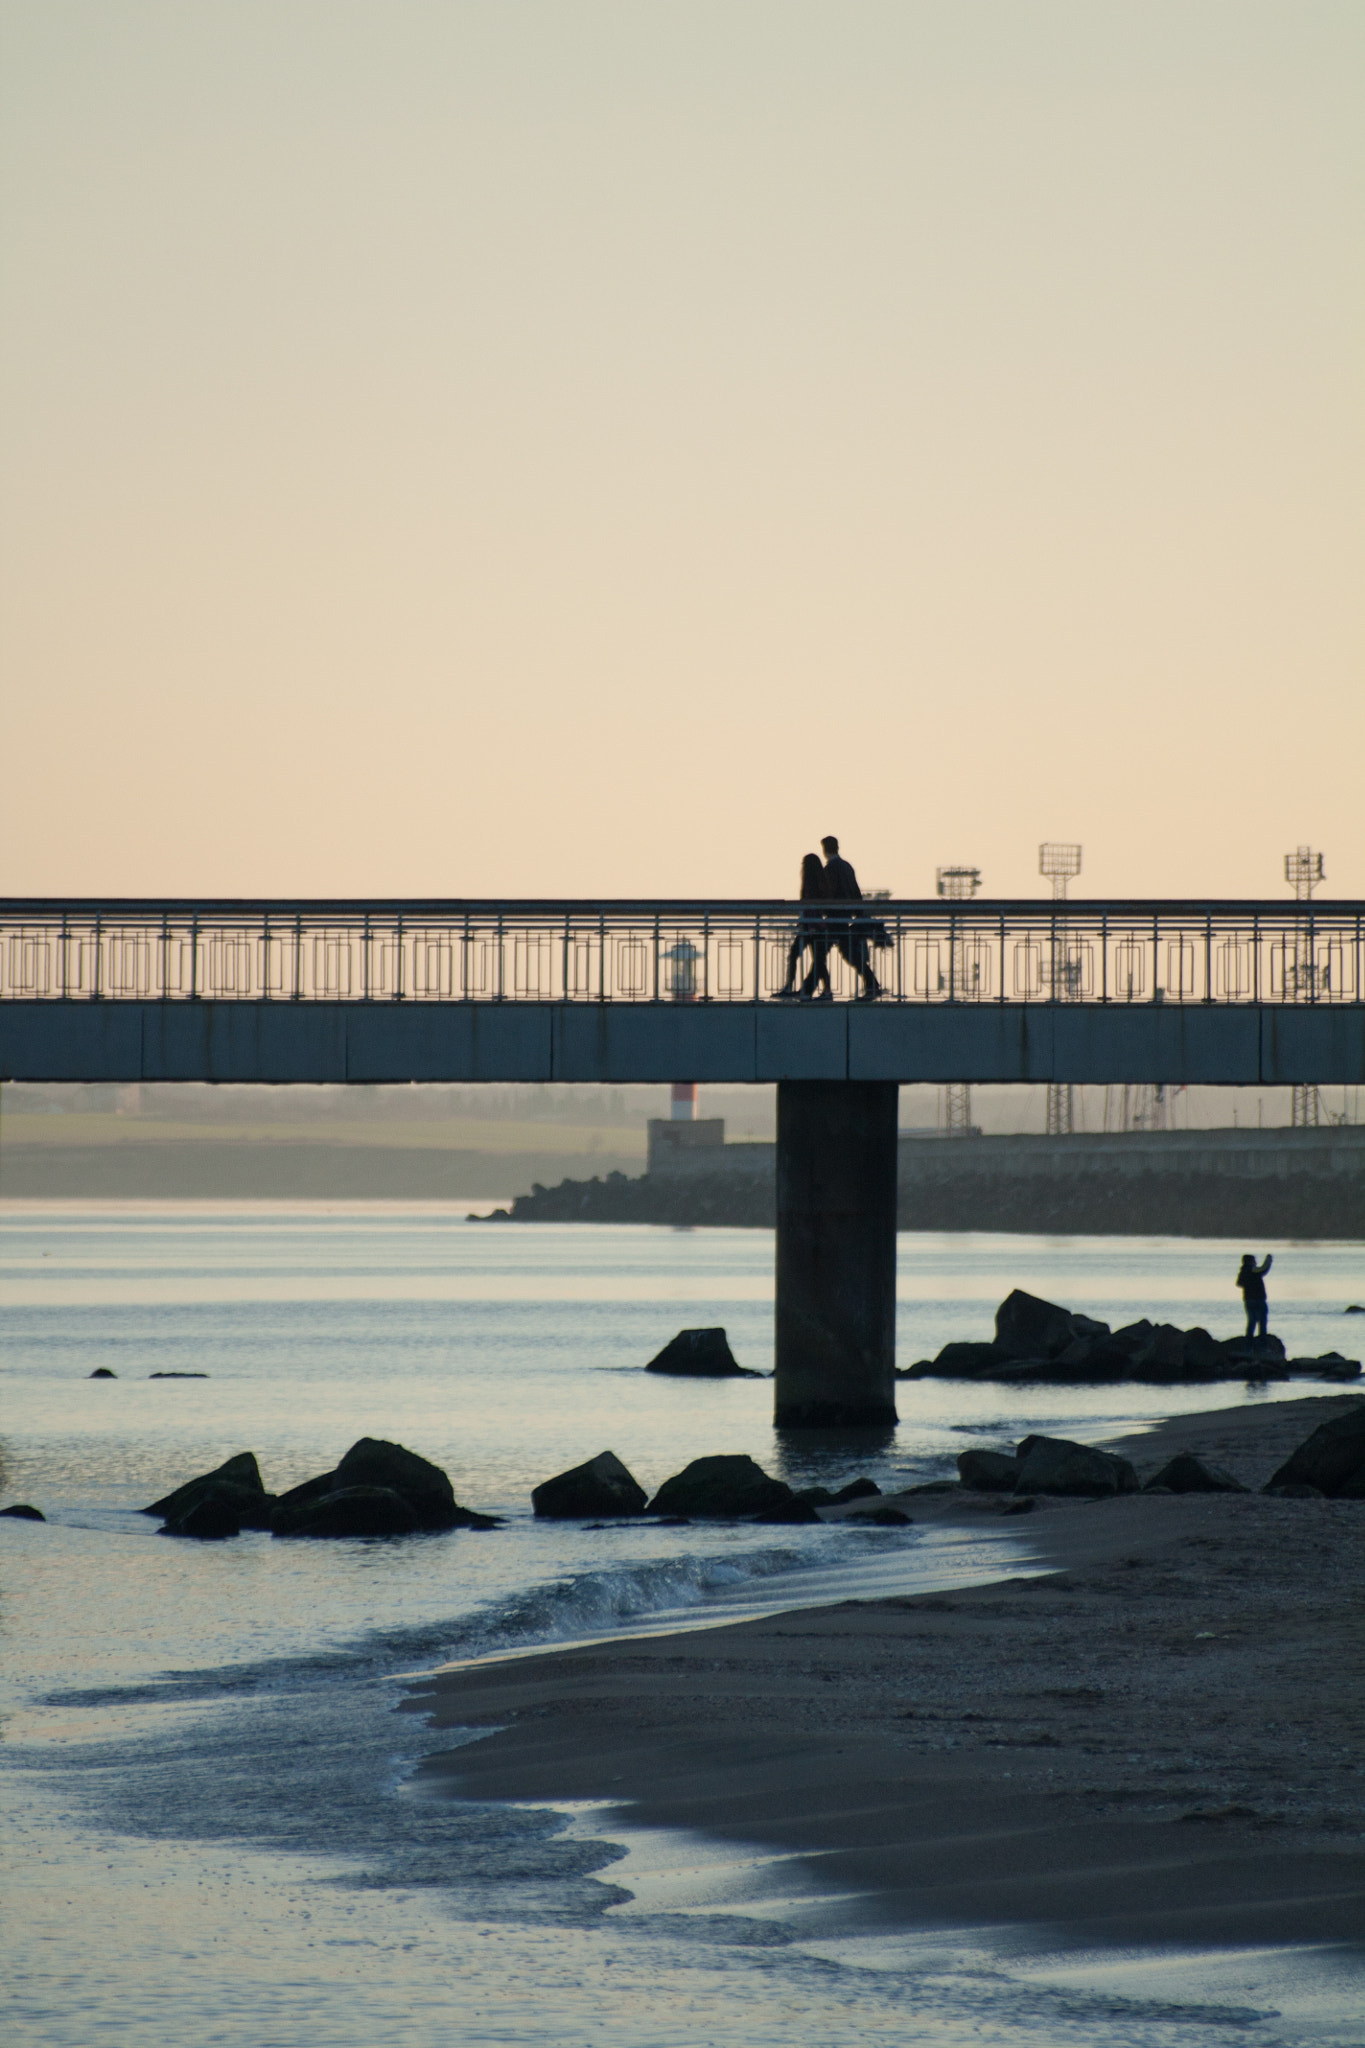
(563, 449)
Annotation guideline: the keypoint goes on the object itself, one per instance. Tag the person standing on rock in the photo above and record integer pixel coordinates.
(841, 886)
(1251, 1280)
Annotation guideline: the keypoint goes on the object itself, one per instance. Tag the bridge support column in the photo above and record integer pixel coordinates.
(836, 1254)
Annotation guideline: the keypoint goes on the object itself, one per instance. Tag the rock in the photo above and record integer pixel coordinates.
(602, 1486)
(177, 1375)
(965, 1362)
(702, 1355)
(22, 1512)
(374, 1466)
(1090, 1361)
(1204, 1357)
(723, 1489)
(1135, 1336)
(1187, 1473)
(428, 1492)
(1049, 1464)
(1022, 1504)
(793, 1510)
(1331, 1366)
(101, 1372)
(988, 1471)
(307, 1489)
(886, 1518)
(1296, 1492)
(1162, 1358)
(210, 1516)
(240, 1472)
(1240, 1348)
(922, 1369)
(856, 1489)
(1332, 1458)
(1028, 1327)
(1353, 1308)
(350, 1511)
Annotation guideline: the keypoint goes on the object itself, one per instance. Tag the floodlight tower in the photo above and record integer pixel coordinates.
(1303, 870)
(1059, 860)
(957, 885)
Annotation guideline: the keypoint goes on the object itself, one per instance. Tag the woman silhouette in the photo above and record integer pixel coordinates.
(810, 931)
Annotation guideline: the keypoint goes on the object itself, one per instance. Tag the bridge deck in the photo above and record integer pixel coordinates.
(388, 1042)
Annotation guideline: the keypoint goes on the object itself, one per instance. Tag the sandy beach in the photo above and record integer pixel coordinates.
(1156, 1739)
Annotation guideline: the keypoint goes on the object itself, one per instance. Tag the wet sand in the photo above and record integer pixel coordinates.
(1157, 1741)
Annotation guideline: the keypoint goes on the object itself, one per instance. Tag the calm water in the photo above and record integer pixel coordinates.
(207, 1794)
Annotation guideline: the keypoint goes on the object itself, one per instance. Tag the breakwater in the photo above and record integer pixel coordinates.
(1227, 1183)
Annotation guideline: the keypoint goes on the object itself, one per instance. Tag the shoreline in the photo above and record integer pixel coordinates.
(1156, 1741)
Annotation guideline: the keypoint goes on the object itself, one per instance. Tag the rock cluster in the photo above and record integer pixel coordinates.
(1036, 1342)
(700, 1354)
(378, 1489)
(1330, 1463)
(719, 1489)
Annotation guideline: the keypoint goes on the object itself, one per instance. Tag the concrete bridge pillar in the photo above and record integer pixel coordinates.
(836, 1254)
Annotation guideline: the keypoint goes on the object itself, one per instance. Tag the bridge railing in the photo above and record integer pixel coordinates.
(708, 952)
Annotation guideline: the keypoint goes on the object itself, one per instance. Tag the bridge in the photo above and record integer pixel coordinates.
(1221, 993)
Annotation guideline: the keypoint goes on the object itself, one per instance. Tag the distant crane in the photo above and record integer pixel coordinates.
(957, 885)
(1303, 870)
(1060, 861)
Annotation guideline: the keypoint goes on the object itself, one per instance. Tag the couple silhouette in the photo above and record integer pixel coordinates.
(830, 884)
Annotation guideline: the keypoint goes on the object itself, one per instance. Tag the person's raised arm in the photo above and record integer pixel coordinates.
(1266, 1263)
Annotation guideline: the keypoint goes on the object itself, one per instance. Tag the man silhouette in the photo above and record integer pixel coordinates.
(1251, 1280)
(841, 886)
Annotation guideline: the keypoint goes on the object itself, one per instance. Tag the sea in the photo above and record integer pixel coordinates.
(212, 1832)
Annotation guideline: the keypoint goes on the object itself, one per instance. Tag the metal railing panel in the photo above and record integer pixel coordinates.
(711, 953)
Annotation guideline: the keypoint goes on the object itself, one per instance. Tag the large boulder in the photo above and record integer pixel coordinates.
(1028, 1327)
(1053, 1464)
(235, 1484)
(424, 1486)
(700, 1355)
(1188, 1473)
(350, 1511)
(988, 1471)
(22, 1512)
(602, 1486)
(212, 1515)
(722, 1489)
(1332, 1459)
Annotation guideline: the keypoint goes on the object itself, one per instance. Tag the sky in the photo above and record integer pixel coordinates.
(509, 447)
